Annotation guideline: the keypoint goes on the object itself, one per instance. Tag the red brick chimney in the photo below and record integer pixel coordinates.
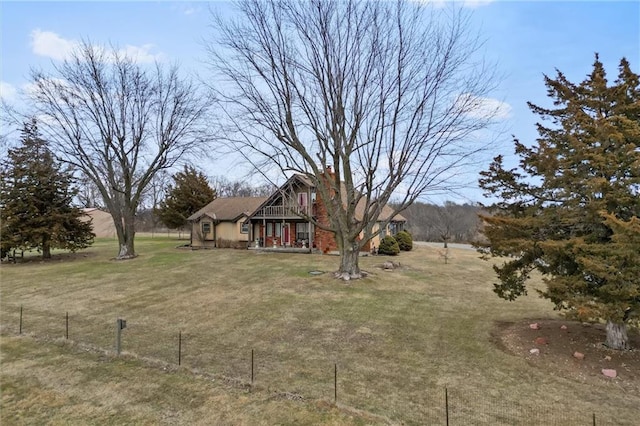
(325, 240)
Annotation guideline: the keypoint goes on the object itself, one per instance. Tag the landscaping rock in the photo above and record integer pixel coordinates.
(563, 327)
(541, 341)
(534, 351)
(534, 326)
(388, 265)
(607, 358)
(578, 355)
(610, 373)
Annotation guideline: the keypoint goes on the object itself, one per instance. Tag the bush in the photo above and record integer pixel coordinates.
(389, 246)
(405, 240)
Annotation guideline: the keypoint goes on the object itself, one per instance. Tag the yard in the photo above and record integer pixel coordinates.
(398, 340)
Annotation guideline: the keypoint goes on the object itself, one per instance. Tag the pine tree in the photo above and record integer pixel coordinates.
(36, 197)
(570, 209)
(189, 193)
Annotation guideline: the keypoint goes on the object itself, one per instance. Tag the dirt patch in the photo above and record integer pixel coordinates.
(557, 341)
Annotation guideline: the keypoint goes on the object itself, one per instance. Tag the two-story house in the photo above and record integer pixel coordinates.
(283, 220)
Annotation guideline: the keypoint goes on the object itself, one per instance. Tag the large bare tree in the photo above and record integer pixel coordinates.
(119, 123)
(388, 93)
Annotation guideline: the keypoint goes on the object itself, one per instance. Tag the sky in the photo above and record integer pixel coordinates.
(525, 40)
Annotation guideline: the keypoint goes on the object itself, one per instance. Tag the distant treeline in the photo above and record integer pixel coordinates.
(457, 223)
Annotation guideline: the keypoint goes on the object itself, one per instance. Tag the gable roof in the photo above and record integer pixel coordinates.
(228, 209)
(277, 192)
(360, 208)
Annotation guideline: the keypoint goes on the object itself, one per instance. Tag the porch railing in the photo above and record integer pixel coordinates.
(282, 211)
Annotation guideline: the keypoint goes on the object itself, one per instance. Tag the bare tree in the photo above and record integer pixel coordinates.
(88, 195)
(385, 92)
(240, 188)
(119, 124)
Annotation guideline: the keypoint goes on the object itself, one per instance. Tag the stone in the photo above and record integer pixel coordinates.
(534, 326)
(387, 265)
(563, 327)
(534, 351)
(578, 355)
(541, 341)
(610, 373)
(607, 358)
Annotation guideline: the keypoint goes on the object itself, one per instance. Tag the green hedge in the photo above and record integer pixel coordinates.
(405, 240)
(389, 246)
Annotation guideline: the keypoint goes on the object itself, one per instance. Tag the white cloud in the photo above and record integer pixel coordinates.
(477, 3)
(481, 107)
(52, 45)
(8, 92)
(141, 54)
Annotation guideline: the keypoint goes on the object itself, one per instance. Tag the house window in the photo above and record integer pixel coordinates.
(244, 228)
(302, 231)
(206, 228)
(278, 229)
(383, 232)
(396, 227)
(269, 229)
(302, 199)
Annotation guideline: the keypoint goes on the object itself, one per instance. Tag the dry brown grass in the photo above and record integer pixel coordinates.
(398, 339)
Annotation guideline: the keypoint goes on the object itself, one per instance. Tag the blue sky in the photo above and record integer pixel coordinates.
(525, 39)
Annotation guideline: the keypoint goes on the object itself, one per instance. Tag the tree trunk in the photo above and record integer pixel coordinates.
(126, 232)
(46, 247)
(349, 256)
(617, 337)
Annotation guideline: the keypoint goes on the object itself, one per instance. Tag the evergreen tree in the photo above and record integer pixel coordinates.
(189, 193)
(571, 207)
(36, 193)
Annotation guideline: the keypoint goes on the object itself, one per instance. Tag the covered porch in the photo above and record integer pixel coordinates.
(281, 234)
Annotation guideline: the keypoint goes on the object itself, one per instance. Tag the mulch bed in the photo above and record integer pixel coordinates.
(558, 341)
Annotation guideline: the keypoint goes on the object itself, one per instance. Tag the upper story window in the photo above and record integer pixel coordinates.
(303, 199)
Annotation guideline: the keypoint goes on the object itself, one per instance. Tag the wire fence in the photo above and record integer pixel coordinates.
(248, 368)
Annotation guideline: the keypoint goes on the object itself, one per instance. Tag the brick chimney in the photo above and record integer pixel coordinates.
(325, 240)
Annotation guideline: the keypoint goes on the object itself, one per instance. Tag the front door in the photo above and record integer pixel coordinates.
(285, 235)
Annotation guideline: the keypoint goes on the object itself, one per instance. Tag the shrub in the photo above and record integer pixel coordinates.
(389, 246)
(405, 240)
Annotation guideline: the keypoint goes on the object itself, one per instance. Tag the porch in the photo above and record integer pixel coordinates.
(282, 249)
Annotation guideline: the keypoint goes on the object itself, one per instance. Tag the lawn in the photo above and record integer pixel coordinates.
(398, 339)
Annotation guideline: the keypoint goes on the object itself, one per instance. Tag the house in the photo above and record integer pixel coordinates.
(282, 220)
(222, 222)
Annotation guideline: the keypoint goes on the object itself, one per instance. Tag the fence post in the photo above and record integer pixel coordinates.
(335, 384)
(120, 325)
(594, 419)
(66, 334)
(179, 347)
(446, 404)
(251, 367)
(20, 332)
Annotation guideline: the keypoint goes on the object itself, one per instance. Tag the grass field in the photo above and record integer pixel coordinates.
(398, 339)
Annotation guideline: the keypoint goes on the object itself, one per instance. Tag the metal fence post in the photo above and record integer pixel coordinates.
(446, 404)
(335, 384)
(179, 347)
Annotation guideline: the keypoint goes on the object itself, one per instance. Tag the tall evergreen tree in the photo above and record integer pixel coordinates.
(571, 207)
(189, 192)
(36, 193)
